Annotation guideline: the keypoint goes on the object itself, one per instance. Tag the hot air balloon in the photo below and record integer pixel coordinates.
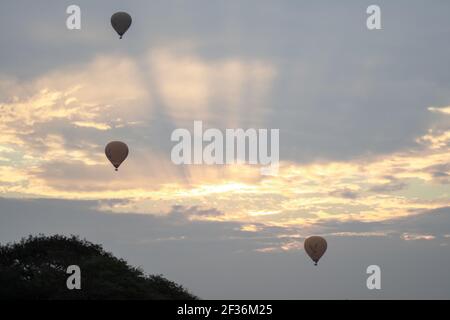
(315, 247)
(121, 21)
(116, 152)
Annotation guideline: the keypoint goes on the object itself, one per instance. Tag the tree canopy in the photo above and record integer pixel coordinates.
(35, 268)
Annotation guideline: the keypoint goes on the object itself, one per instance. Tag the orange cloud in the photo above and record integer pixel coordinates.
(38, 160)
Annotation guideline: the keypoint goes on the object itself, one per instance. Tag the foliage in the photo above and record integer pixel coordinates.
(35, 268)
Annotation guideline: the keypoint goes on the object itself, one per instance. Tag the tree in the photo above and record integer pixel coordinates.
(35, 268)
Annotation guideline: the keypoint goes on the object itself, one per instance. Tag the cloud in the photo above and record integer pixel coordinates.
(39, 118)
(410, 237)
(366, 189)
(391, 186)
(95, 92)
(427, 225)
(59, 122)
(194, 213)
(283, 247)
(55, 128)
(225, 93)
(346, 193)
(358, 234)
(95, 125)
(436, 139)
(444, 110)
(250, 228)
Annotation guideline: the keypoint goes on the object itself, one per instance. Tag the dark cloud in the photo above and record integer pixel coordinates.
(388, 187)
(195, 211)
(441, 173)
(393, 185)
(346, 194)
(433, 222)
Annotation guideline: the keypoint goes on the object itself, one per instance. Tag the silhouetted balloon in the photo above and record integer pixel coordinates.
(315, 247)
(116, 152)
(121, 21)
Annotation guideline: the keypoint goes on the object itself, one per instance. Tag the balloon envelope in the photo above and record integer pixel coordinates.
(121, 21)
(116, 152)
(315, 247)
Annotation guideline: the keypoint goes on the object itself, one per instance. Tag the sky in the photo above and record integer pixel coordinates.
(364, 120)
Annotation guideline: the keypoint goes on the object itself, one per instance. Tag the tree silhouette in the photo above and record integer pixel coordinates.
(35, 268)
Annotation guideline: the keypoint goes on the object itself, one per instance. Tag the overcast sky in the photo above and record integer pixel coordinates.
(364, 119)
